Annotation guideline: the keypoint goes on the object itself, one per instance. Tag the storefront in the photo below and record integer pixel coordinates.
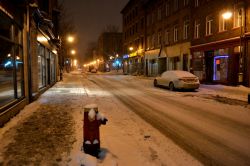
(11, 58)
(151, 62)
(217, 63)
(133, 63)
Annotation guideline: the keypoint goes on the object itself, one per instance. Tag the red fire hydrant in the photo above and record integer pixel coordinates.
(91, 133)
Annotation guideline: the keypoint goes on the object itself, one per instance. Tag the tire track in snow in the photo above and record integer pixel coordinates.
(207, 149)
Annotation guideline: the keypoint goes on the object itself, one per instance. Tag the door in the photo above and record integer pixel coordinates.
(209, 58)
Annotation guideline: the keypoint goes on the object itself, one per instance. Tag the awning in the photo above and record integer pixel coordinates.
(152, 54)
(178, 49)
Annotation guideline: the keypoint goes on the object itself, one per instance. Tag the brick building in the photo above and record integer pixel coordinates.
(192, 35)
(217, 41)
(167, 36)
(134, 36)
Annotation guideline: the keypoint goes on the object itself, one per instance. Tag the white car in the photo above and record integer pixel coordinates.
(177, 79)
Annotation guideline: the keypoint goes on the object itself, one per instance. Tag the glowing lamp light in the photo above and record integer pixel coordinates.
(9, 55)
(41, 39)
(227, 15)
(75, 62)
(54, 51)
(70, 39)
(131, 48)
(73, 52)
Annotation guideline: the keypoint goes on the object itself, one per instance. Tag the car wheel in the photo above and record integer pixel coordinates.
(171, 86)
(155, 83)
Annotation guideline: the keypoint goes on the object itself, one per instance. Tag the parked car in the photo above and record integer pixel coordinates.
(94, 70)
(177, 79)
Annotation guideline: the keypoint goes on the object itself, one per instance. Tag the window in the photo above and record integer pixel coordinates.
(11, 60)
(148, 42)
(196, 3)
(41, 66)
(175, 34)
(223, 23)
(166, 36)
(238, 19)
(153, 41)
(186, 29)
(186, 2)
(148, 19)
(153, 17)
(196, 29)
(159, 38)
(167, 9)
(159, 14)
(209, 21)
(176, 5)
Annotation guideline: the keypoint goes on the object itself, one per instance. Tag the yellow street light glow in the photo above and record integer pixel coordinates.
(75, 62)
(131, 48)
(117, 55)
(54, 51)
(17, 57)
(73, 52)
(41, 39)
(98, 60)
(227, 15)
(9, 55)
(70, 39)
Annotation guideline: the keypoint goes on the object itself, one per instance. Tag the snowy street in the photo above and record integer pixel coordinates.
(146, 125)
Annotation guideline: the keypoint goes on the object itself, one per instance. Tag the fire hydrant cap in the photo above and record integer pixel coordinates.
(91, 115)
(90, 106)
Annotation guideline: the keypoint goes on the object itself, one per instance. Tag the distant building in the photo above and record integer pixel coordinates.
(109, 49)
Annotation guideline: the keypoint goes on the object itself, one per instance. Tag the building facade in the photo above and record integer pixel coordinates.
(196, 36)
(220, 45)
(167, 36)
(27, 65)
(134, 37)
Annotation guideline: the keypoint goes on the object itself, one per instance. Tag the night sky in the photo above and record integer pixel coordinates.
(92, 16)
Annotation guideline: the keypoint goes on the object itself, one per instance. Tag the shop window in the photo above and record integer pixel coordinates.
(11, 61)
(41, 66)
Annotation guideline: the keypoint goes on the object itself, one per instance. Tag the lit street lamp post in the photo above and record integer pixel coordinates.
(227, 15)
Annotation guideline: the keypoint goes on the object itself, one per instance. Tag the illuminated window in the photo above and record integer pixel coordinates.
(238, 19)
(223, 24)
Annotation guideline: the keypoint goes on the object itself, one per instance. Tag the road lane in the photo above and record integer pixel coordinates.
(211, 137)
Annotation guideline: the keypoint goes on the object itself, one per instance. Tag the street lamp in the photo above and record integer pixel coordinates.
(73, 52)
(70, 39)
(227, 15)
(131, 48)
